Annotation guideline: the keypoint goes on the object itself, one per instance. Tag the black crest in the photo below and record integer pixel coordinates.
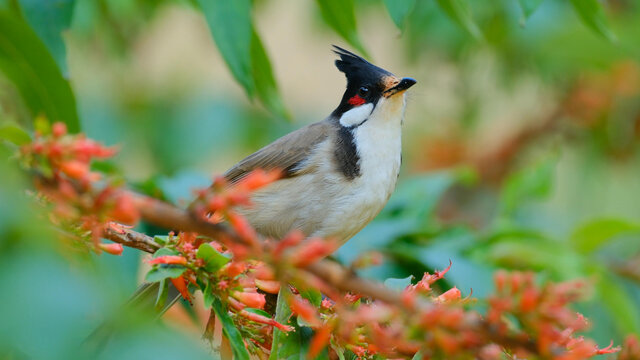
(356, 68)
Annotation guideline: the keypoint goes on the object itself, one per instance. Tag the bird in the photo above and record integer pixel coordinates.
(338, 173)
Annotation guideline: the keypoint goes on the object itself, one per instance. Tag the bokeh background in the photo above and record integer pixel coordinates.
(520, 149)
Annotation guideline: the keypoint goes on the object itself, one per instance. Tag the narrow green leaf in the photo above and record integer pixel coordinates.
(49, 18)
(27, 63)
(592, 15)
(161, 239)
(14, 133)
(163, 292)
(459, 12)
(590, 236)
(280, 338)
(213, 259)
(208, 295)
(163, 271)
(340, 16)
(229, 22)
(399, 11)
(230, 331)
(258, 311)
(265, 83)
(529, 7)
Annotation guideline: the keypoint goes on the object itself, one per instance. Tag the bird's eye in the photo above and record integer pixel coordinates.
(363, 91)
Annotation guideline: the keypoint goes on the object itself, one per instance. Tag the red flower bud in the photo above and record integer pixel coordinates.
(450, 295)
(169, 259)
(268, 286)
(124, 210)
(113, 248)
(251, 299)
(319, 341)
(75, 169)
(59, 129)
(181, 285)
(312, 251)
(305, 310)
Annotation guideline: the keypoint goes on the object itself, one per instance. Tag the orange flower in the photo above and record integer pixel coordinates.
(169, 259)
(75, 169)
(59, 129)
(181, 285)
(113, 248)
(319, 341)
(251, 299)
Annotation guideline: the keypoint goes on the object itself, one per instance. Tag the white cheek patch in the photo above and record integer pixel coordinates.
(356, 115)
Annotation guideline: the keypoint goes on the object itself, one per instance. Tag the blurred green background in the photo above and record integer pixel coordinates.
(520, 146)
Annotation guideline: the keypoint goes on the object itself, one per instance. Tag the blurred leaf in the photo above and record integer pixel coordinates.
(594, 234)
(265, 83)
(459, 12)
(619, 303)
(529, 7)
(531, 182)
(285, 345)
(398, 284)
(399, 11)
(592, 15)
(230, 25)
(49, 18)
(163, 292)
(230, 331)
(165, 252)
(213, 259)
(163, 271)
(28, 64)
(314, 296)
(339, 14)
(14, 134)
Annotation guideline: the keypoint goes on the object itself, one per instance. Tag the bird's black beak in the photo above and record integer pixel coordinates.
(400, 86)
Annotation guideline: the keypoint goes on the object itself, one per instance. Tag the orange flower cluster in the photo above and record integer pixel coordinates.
(63, 162)
(523, 319)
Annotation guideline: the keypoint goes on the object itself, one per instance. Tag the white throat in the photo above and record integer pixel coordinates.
(356, 116)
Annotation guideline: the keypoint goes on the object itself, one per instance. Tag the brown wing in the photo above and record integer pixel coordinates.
(286, 153)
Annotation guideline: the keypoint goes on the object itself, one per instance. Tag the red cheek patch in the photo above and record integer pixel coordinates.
(356, 100)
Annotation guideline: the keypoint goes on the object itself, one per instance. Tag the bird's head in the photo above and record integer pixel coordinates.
(368, 87)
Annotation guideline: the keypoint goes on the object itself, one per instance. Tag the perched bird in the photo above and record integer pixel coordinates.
(338, 172)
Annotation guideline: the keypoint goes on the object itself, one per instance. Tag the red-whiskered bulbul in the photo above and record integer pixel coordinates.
(339, 172)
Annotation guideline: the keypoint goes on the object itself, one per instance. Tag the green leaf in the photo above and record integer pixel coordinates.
(592, 15)
(161, 239)
(399, 11)
(213, 259)
(49, 18)
(528, 8)
(340, 16)
(230, 25)
(398, 284)
(27, 63)
(531, 182)
(258, 311)
(314, 296)
(165, 252)
(265, 83)
(230, 331)
(620, 304)
(281, 340)
(14, 134)
(459, 12)
(208, 295)
(163, 292)
(163, 271)
(590, 236)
